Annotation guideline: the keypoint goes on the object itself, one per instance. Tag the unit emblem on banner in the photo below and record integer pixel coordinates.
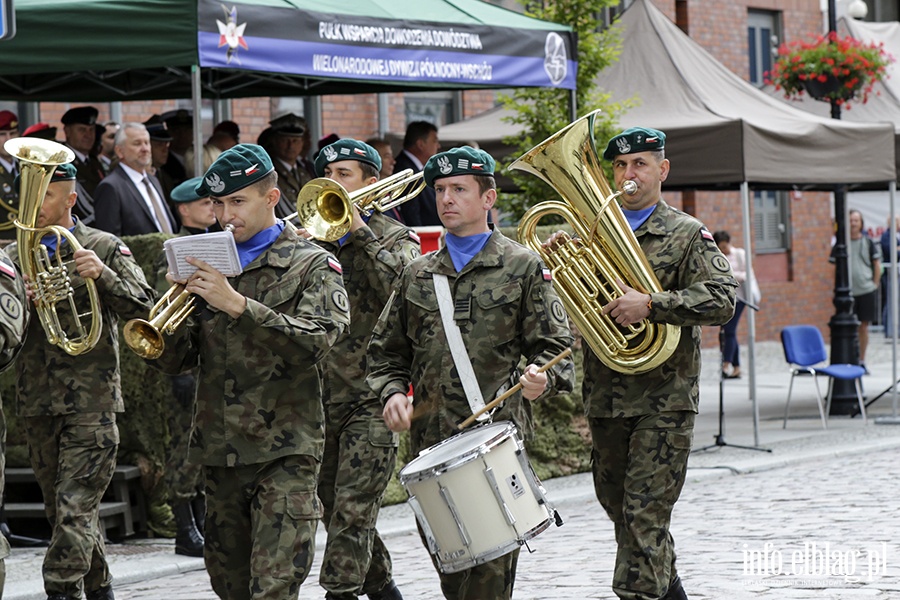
(231, 34)
(555, 58)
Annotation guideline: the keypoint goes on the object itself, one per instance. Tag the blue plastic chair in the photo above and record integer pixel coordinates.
(804, 348)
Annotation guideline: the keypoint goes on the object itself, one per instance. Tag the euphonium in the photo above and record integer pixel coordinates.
(585, 271)
(49, 278)
(145, 337)
(324, 206)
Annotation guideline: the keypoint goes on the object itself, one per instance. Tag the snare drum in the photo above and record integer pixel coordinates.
(476, 496)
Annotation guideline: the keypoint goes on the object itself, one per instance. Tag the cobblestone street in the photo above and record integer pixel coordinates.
(836, 518)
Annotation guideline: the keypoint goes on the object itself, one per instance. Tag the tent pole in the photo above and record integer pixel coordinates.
(198, 121)
(894, 419)
(383, 125)
(751, 314)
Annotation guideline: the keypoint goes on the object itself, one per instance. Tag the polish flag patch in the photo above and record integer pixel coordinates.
(415, 237)
(251, 170)
(707, 235)
(334, 264)
(359, 151)
(478, 166)
(123, 249)
(547, 275)
(7, 269)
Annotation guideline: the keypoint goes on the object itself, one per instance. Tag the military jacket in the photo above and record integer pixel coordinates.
(88, 172)
(9, 204)
(506, 309)
(259, 395)
(51, 382)
(290, 183)
(372, 259)
(698, 289)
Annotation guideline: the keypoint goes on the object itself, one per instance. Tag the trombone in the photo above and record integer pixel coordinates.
(325, 207)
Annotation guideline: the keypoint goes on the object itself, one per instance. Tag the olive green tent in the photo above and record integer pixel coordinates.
(108, 50)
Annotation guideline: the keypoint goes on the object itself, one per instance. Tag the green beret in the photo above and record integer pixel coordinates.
(347, 149)
(235, 169)
(635, 139)
(186, 191)
(63, 172)
(458, 161)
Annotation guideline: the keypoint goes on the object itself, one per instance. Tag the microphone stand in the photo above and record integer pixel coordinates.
(720, 437)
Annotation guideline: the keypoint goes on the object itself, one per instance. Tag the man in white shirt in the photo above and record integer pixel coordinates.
(130, 201)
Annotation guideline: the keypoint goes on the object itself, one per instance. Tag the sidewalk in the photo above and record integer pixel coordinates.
(803, 441)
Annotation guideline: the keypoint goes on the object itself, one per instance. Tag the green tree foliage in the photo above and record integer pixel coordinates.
(543, 111)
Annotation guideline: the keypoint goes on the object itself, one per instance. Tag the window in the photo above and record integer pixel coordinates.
(771, 221)
(439, 108)
(763, 36)
(883, 10)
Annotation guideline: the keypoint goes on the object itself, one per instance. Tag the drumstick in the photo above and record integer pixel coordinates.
(496, 401)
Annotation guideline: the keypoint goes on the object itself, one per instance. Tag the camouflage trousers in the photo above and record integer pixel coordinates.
(4, 544)
(184, 479)
(74, 457)
(358, 462)
(261, 527)
(639, 465)
(492, 580)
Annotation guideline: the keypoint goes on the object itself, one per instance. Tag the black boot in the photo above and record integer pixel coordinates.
(188, 541)
(390, 592)
(198, 508)
(676, 592)
(104, 593)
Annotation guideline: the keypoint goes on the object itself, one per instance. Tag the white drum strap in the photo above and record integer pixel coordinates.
(458, 347)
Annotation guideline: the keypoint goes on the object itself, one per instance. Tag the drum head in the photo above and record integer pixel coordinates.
(455, 449)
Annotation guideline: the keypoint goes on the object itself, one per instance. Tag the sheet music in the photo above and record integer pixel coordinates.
(216, 249)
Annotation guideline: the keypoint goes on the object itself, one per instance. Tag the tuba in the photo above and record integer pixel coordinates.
(324, 206)
(145, 337)
(585, 271)
(49, 278)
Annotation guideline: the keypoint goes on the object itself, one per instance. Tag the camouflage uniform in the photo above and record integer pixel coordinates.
(360, 451)
(642, 425)
(259, 425)
(69, 405)
(505, 310)
(13, 323)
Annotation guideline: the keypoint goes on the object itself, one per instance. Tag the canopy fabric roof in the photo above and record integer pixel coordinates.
(106, 50)
(721, 131)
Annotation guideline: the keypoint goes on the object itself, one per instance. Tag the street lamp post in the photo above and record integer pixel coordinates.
(844, 324)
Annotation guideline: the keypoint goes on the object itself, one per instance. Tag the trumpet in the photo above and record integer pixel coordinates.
(49, 278)
(146, 337)
(324, 207)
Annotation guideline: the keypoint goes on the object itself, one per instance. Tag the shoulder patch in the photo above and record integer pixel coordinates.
(707, 235)
(10, 305)
(335, 264)
(7, 269)
(125, 250)
(415, 237)
(721, 263)
(547, 274)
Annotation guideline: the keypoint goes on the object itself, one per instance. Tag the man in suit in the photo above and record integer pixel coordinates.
(287, 144)
(79, 127)
(420, 143)
(160, 141)
(130, 201)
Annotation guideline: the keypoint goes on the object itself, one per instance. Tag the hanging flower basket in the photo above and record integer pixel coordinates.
(829, 68)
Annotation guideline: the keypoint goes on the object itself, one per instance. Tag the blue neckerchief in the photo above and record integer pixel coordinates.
(636, 218)
(463, 249)
(49, 240)
(344, 239)
(259, 243)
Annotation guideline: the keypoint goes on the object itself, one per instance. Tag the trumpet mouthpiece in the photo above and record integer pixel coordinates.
(629, 187)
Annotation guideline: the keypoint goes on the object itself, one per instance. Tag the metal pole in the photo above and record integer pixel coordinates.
(894, 419)
(198, 120)
(844, 325)
(751, 314)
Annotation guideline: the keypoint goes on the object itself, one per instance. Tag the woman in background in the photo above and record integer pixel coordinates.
(731, 359)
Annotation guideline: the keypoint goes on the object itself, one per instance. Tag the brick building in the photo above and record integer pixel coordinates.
(792, 229)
